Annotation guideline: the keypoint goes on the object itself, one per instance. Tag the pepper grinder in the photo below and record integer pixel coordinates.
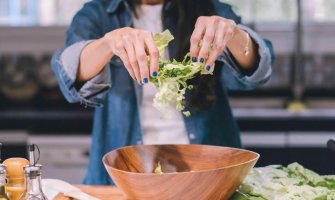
(15, 177)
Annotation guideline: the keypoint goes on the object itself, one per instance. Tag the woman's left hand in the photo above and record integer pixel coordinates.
(214, 32)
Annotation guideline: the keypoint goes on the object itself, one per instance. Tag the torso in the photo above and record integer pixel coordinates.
(118, 123)
(157, 129)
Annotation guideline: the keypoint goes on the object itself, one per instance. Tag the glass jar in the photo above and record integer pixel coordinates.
(3, 195)
(33, 185)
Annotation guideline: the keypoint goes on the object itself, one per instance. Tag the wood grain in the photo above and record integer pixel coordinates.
(199, 172)
(101, 192)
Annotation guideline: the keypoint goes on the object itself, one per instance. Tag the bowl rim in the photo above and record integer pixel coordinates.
(174, 173)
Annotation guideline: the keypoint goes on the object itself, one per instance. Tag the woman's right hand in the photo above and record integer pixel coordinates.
(133, 46)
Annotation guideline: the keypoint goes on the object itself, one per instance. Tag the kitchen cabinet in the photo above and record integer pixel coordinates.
(280, 136)
(63, 157)
(13, 143)
(63, 137)
(283, 137)
(34, 40)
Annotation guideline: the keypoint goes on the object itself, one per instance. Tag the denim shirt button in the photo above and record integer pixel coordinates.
(192, 136)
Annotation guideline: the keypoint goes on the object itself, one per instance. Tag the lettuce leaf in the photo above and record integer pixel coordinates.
(293, 182)
(162, 40)
(172, 79)
(158, 169)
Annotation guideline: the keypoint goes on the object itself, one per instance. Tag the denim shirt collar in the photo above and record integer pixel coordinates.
(114, 5)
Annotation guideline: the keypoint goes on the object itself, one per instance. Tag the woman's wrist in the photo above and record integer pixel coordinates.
(243, 49)
(240, 42)
(106, 45)
(93, 59)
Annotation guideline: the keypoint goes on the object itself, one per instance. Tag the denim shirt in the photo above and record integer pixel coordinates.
(116, 97)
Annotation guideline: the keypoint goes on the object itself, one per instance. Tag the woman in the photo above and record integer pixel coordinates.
(104, 64)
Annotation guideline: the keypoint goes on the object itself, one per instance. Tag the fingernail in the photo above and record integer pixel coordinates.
(154, 74)
(145, 80)
(194, 59)
(208, 67)
(202, 60)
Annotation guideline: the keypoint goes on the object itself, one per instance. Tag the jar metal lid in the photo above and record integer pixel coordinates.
(2, 169)
(32, 168)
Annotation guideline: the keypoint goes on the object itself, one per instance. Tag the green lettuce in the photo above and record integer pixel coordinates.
(162, 40)
(173, 76)
(158, 169)
(293, 182)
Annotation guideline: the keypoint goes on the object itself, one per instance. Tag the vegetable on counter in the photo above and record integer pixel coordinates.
(158, 169)
(293, 182)
(172, 78)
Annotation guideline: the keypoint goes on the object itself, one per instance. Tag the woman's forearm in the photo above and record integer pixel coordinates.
(93, 59)
(237, 46)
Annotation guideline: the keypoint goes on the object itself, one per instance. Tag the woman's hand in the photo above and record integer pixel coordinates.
(133, 46)
(216, 33)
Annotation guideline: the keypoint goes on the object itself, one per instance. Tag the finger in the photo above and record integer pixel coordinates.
(219, 40)
(218, 46)
(207, 40)
(211, 59)
(120, 51)
(124, 57)
(196, 37)
(142, 60)
(228, 33)
(133, 60)
(154, 55)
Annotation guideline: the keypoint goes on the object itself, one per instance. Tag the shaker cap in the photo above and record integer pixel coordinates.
(2, 168)
(14, 167)
(32, 168)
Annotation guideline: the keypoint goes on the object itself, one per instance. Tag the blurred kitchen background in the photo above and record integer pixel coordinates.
(32, 109)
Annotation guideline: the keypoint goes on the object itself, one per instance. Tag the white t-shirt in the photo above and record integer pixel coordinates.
(157, 130)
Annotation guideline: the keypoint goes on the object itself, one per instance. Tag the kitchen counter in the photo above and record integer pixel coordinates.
(101, 192)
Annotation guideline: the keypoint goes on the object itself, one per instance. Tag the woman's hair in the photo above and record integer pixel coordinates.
(183, 14)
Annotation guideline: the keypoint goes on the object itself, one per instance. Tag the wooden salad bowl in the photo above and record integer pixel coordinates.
(190, 172)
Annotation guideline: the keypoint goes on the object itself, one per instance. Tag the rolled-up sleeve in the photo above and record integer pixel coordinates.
(232, 77)
(65, 64)
(84, 29)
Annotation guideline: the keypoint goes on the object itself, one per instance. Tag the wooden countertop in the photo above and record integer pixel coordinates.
(101, 192)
